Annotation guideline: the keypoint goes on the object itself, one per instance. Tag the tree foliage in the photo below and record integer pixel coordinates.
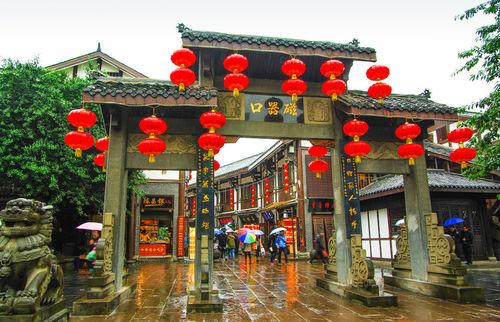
(34, 161)
(482, 62)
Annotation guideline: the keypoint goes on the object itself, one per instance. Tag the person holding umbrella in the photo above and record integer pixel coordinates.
(271, 245)
(248, 239)
(282, 249)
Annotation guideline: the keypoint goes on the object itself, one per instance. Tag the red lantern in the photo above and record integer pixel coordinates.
(357, 149)
(235, 63)
(153, 125)
(408, 132)
(317, 151)
(210, 142)
(216, 165)
(410, 151)
(81, 118)
(212, 120)
(379, 91)
(460, 135)
(318, 167)
(102, 144)
(79, 141)
(333, 88)
(294, 88)
(236, 82)
(183, 57)
(182, 77)
(293, 68)
(355, 128)
(99, 161)
(332, 68)
(152, 146)
(462, 156)
(377, 72)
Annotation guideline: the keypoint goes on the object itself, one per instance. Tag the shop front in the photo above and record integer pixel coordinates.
(156, 226)
(322, 218)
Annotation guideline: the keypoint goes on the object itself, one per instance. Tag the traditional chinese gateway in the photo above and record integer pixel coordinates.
(272, 100)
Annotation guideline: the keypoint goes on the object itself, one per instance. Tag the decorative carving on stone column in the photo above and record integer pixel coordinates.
(402, 259)
(441, 247)
(362, 271)
(332, 250)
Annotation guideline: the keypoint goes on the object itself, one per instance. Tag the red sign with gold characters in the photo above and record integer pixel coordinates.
(180, 235)
(152, 249)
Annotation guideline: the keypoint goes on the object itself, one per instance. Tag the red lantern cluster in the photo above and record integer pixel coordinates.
(211, 141)
(409, 150)
(102, 145)
(286, 178)
(461, 155)
(193, 207)
(231, 198)
(356, 148)
(379, 90)
(318, 166)
(152, 145)
(252, 196)
(236, 81)
(183, 76)
(333, 87)
(266, 190)
(80, 140)
(216, 165)
(294, 86)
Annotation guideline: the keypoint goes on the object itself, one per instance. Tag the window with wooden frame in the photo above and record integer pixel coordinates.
(376, 235)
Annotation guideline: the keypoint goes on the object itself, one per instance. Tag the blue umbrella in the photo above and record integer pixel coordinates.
(217, 231)
(452, 221)
(277, 230)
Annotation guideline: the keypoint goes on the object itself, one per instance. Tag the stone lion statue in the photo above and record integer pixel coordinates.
(29, 275)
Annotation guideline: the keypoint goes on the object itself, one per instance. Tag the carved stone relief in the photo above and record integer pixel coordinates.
(441, 247)
(178, 144)
(317, 110)
(232, 107)
(383, 150)
(362, 270)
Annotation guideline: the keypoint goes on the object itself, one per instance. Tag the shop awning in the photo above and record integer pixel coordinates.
(279, 204)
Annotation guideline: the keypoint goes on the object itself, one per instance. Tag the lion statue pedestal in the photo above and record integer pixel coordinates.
(31, 281)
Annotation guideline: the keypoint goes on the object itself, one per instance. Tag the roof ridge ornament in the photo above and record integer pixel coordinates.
(354, 42)
(426, 93)
(182, 27)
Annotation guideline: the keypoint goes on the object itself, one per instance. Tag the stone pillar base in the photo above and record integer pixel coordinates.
(204, 301)
(103, 306)
(455, 293)
(51, 313)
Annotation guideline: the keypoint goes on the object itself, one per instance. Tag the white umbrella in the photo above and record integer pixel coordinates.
(257, 232)
(277, 230)
(90, 226)
(400, 222)
(229, 230)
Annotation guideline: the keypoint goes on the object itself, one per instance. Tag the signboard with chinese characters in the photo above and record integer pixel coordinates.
(152, 249)
(351, 195)
(157, 203)
(181, 229)
(205, 195)
(320, 205)
(273, 109)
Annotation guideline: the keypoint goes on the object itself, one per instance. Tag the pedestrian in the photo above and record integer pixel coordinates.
(320, 249)
(271, 245)
(222, 244)
(282, 248)
(231, 245)
(455, 234)
(467, 241)
(247, 250)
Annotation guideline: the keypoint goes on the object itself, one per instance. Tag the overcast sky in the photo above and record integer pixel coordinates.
(418, 40)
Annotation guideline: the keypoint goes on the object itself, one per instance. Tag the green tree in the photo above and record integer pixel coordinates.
(34, 160)
(482, 62)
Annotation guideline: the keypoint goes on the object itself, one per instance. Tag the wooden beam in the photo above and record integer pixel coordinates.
(277, 130)
(167, 161)
(384, 166)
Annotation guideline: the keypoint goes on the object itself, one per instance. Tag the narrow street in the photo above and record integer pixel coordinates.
(287, 292)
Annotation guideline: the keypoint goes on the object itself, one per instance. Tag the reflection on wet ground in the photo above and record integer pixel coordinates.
(287, 292)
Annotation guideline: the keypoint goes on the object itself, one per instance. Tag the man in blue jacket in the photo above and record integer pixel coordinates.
(281, 244)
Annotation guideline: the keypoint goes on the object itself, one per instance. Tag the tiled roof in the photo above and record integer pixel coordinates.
(270, 41)
(437, 148)
(439, 180)
(241, 164)
(396, 102)
(117, 86)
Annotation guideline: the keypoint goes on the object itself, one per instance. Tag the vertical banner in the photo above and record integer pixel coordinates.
(205, 196)
(352, 207)
(181, 230)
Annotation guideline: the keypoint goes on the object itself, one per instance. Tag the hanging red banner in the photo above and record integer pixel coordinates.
(180, 235)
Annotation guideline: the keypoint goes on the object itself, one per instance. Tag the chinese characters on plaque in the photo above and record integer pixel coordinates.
(273, 109)
(204, 195)
(351, 195)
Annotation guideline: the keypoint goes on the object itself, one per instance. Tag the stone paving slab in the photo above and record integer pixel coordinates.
(263, 292)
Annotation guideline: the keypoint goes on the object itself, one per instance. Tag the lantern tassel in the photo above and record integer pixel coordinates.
(334, 97)
(152, 158)
(78, 153)
(236, 92)
(294, 98)
(357, 159)
(103, 169)
(182, 88)
(210, 153)
(463, 165)
(380, 100)
(318, 175)
(411, 161)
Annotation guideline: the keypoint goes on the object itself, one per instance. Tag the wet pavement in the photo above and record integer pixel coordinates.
(287, 292)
